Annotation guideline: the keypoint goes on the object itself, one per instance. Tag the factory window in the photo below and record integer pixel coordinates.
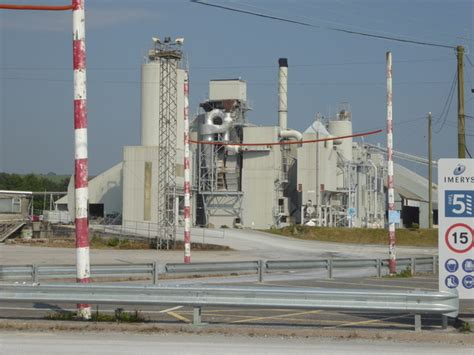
(16, 205)
(10, 205)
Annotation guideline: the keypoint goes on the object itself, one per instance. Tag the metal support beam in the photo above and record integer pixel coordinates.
(417, 322)
(197, 316)
(444, 321)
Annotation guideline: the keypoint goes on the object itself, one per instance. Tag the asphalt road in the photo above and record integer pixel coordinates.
(246, 245)
(125, 343)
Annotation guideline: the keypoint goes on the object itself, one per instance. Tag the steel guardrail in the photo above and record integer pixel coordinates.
(385, 301)
(36, 272)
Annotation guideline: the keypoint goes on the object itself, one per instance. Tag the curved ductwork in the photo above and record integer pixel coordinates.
(216, 121)
(291, 133)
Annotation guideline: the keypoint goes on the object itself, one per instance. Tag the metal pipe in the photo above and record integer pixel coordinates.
(187, 175)
(391, 192)
(375, 189)
(283, 93)
(291, 133)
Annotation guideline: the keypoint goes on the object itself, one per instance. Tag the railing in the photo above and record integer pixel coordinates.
(386, 301)
(149, 230)
(259, 267)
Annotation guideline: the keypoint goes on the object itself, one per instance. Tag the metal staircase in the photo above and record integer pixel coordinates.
(8, 227)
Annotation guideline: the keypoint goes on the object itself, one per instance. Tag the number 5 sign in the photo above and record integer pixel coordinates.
(456, 226)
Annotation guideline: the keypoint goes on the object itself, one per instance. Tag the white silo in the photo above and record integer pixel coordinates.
(150, 103)
(342, 127)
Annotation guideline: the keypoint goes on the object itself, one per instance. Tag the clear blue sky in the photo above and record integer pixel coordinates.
(326, 68)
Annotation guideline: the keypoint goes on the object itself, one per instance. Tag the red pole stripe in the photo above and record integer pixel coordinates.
(80, 178)
(82, 228)
(79, 54)
(80, 113)
(77, 4)
(288, 142)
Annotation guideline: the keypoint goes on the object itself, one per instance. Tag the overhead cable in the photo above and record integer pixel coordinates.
(330, 28)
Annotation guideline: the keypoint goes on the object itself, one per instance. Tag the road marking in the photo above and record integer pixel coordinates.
(170, 309)
(179, 317)
(369, 321)
(277, 316)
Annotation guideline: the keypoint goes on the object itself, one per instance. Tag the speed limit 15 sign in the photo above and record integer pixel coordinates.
(456, 226)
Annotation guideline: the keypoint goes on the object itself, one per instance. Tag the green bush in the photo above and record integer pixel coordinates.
(113, 242)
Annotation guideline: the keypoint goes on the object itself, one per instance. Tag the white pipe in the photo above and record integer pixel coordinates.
(291, 133)
(233, 149)
(375, 190)
(283, 93)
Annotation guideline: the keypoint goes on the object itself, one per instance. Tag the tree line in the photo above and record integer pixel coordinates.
(31, 182)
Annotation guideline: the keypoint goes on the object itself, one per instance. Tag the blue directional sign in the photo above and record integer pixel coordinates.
(468, 265)
(459, 203)
(451, 265)
(468, 281)
(394, 216)
(351, 211)
(451, 281)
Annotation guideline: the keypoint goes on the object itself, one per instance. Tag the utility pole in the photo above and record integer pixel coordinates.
(461, 123)
(430, 176)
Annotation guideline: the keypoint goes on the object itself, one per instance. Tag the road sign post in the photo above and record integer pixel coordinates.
(456, 226)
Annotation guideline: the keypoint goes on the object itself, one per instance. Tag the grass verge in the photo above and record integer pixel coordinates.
(119, 316)
(407, 237)
(110, 242)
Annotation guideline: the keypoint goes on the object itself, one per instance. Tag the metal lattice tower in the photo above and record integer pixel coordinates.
(169, 57)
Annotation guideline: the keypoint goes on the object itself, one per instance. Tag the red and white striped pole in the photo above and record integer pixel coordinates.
(187, 175)
(391, 193)
(81, 162)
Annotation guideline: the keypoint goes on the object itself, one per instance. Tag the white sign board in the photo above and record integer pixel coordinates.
(456, 226)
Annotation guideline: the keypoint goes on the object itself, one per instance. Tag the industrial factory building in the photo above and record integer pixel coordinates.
(245, 175)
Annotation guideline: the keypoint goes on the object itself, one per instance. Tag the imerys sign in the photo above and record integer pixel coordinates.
(456, 226)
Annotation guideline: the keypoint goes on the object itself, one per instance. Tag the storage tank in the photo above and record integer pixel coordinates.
(342, 127)
(150, 103)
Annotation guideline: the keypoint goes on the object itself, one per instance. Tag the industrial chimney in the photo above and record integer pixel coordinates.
(283, 93)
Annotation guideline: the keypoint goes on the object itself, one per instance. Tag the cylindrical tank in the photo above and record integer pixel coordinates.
(150, 103)
(342, 128)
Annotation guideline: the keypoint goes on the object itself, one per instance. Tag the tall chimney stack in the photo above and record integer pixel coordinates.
(283, 93)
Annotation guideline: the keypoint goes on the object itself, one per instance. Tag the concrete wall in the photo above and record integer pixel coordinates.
(316, 167)
(136, 186)
(260, 170)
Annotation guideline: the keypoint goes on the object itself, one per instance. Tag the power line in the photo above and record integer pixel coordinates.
(467, 151)
(367, 83)
(469, 60)
(256, 66)
(330, 28)
(398, 123)
(447, 105)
